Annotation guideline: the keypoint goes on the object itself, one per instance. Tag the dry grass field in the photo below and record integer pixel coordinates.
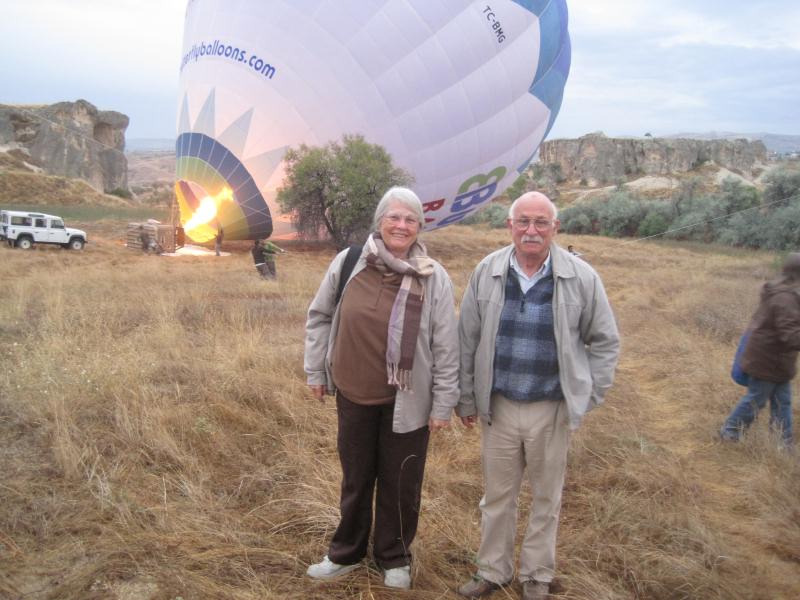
(157, 441)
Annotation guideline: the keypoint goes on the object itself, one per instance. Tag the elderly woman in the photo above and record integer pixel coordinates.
(389, 349)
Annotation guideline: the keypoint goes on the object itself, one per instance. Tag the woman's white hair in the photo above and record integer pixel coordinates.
(400, 195)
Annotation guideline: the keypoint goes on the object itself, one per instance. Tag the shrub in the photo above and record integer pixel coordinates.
(784, 229)
(745, 229)
(736, 196)
(620, 215)
(519, 187)
(121, 193)
(575, 220)
(653, 224)
(783, 187)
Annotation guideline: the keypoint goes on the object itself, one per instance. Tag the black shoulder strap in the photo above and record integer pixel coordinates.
(353, 252)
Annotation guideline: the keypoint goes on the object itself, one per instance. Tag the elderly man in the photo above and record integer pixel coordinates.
(539, 346)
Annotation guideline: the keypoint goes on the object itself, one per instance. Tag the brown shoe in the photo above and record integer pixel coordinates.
(535, 590)
(478, 587)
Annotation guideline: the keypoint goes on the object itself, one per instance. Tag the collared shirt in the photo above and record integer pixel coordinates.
(525, 282)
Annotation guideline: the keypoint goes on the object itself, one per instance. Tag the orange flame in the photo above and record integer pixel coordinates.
(207, 211)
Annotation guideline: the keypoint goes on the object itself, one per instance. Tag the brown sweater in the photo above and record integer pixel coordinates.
(358, 363)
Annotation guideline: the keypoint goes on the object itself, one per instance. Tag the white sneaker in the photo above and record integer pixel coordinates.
(328, 570)
(399, 577)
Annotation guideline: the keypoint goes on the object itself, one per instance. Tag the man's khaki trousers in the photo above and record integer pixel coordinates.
(532, 436)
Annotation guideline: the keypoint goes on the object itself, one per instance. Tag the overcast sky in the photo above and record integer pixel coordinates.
(638, 66)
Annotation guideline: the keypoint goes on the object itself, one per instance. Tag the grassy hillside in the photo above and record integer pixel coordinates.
(157, 440)
(20, 187)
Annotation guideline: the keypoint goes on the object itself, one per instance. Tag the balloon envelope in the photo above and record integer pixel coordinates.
(461, 94)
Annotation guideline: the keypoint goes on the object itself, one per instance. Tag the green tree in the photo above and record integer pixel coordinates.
(783, 188)
(519, 187)
(620, 215)
(736, 196)
(656, 221)
(579, 218)
(333, 189)
(685, 196)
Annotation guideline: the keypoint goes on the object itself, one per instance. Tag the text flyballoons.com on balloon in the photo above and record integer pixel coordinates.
(461, 94)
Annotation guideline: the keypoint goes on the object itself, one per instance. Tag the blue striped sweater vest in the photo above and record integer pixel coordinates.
(525, 356)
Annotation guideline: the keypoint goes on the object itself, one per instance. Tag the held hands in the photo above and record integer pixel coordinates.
(318, 391)
(469, 421)
(437, 424)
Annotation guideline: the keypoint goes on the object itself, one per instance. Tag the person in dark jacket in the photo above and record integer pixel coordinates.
(770, 356)
(269, 251)
(144, 239)
(218, 241)
(258, 258)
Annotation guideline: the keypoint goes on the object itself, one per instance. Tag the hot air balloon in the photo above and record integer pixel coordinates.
(461, 94)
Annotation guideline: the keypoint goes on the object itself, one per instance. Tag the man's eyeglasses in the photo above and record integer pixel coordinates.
(539, 224)
(396, 219)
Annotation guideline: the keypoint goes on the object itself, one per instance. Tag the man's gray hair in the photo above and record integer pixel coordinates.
(403, 196)
(513, 206)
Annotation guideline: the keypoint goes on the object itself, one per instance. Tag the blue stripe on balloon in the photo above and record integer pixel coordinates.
(550, 90)
(550, 41)
(537, 7)
(248, 195)
(194, 144)
(238, 177)
(217, 156)
(554, 57)
(228, 166)
(179, 144)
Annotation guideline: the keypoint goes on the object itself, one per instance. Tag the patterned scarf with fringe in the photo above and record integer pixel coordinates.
(406, 312)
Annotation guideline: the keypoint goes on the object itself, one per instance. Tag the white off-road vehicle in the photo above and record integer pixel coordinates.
(23, 229)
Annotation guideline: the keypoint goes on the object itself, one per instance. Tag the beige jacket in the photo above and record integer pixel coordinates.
(586, 333)
(434, 386)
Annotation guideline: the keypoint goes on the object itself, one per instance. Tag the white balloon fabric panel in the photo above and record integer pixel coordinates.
(461, 94)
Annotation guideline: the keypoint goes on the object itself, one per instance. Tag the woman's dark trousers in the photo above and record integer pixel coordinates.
(373, 456)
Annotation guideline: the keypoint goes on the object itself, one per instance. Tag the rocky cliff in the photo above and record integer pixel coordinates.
(71, 139)
(599, 160)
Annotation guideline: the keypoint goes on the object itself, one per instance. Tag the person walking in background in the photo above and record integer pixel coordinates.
(258, 258)
(218, 241)
(144, 239)
(149, 242)
(770, 356)
(269, 251)
(539, 346)
(389, 349)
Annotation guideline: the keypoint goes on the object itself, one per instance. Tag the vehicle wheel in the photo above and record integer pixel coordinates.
(76, 244)
(24, 243)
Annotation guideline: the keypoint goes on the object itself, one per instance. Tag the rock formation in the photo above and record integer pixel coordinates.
(599, 160)
(70, 139)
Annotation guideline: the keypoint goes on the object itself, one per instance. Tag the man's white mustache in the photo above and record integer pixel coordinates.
(531, 238)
